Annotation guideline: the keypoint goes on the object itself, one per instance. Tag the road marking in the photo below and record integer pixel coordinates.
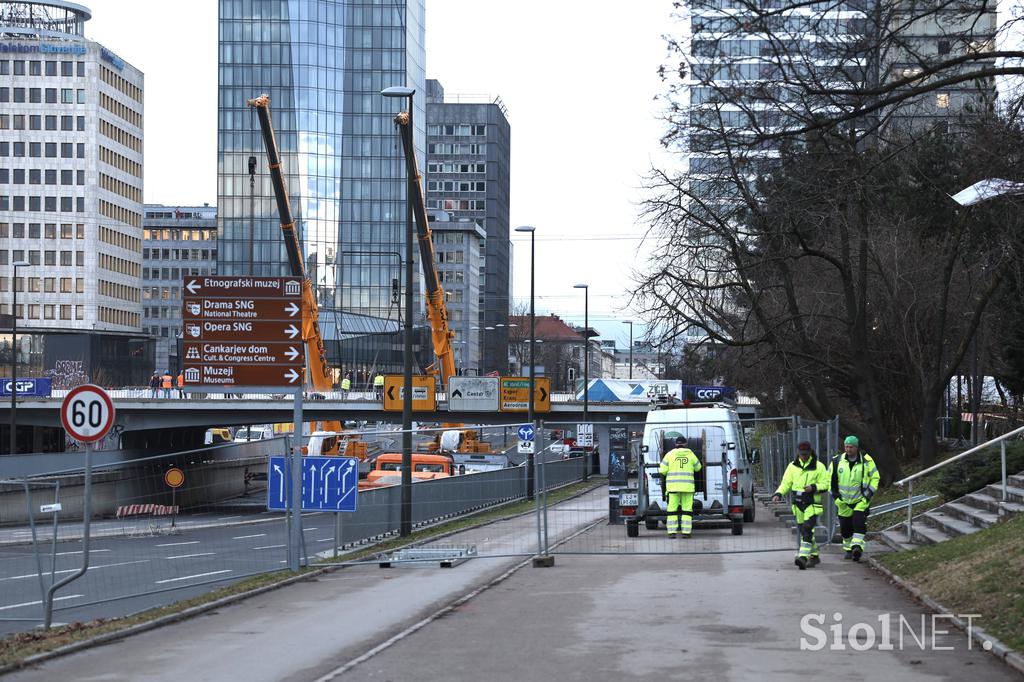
(226, 518)
(246, 537)
(79, 551)
(188, 556)
(326, 540)
(177, 544)
(269, 547)
(72, 570)
(189, 577)
(36, 603)
(306, 530)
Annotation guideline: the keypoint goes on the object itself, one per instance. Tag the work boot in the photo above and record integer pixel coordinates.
(671, 535)
(801, 563)
(685, 536)
(857, 551)
(814, 561)
(848, 554)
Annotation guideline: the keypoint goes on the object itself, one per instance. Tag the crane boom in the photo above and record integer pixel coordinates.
(437, 309)
(318, 373)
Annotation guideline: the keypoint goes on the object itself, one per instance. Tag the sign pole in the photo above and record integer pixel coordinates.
(86, 517)
(174, 512)
(295, 543)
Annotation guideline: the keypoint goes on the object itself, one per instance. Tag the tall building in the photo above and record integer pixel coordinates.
(323, 63)
(71, 135)
(458, 245)
(178, 241)
(468, 177)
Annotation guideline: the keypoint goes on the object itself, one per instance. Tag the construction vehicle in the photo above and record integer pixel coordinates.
(318, 373)
(456, 440)
(387, 469)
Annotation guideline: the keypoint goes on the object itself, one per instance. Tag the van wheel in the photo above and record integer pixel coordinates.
(748, 514)
(737, 528)
(632, 529)
(651, 524)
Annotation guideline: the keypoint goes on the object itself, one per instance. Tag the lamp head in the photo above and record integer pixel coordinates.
(398, 91)
(526, 228)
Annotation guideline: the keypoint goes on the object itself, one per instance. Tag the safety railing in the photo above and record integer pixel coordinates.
(909, 480)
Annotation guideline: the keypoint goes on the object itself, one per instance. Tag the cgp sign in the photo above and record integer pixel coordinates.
(39, 388)
(87, 413)
(711, 392)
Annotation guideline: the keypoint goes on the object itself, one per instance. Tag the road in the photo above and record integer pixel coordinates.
(607, 616)
(206, 547)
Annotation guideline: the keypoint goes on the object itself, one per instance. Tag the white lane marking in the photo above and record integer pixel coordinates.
(36, 603)
(326, 540)
(306, 530)
(79, 551)
(189, 577)
(246, 537)
(188, 556)
(177, 544)
(269, 547)
(72, 570)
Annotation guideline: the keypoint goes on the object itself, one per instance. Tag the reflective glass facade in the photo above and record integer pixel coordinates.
(323, 63)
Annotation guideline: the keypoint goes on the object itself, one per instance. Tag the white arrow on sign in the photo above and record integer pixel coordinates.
(193, 286)
(312, 482)
(323, 479)
(292, 309)
(291, 375)
(292, 353)
(280, 477)
(292, 331)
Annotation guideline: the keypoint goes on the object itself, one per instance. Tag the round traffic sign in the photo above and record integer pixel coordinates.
(174, 477)
(87, 413)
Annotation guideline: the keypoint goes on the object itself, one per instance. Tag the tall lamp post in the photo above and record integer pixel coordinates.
(14, 355)
(405, 524)
(586, 360)
(533, 364)
(630, 323)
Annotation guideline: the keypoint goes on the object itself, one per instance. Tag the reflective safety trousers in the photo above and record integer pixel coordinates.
(679, 467)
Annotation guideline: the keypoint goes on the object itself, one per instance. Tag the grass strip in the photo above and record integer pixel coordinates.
(977, 573)
(20, 646)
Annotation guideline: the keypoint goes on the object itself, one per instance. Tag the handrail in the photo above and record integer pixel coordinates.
(966, 453)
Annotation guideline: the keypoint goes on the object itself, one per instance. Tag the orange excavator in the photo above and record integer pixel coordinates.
(328, 436)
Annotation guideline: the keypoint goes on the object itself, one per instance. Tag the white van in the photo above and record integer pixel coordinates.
(725, 484)
(246, 434)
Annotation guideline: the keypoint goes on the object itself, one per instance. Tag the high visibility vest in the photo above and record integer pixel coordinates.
(181, 381)
(679, 467)
(799, 475)
(853, 481)
(378, 380)
(166, 381)
(346, 384)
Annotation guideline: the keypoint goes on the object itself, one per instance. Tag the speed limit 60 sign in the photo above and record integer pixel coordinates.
(87, 413)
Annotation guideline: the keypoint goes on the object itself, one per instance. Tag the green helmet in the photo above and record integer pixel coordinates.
(852, 440)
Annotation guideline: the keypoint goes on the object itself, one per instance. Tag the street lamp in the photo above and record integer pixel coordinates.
(14, 354)
(533, 368)
(630, 323)
(586, 358)
(405, 525)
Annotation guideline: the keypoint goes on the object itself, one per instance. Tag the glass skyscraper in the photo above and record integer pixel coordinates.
(323, 63)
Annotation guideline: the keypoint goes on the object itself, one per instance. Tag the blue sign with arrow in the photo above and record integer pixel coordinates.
(328, 483)
(526, 432)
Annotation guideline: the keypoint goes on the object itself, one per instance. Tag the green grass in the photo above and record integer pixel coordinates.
(978, 573)
(20, 646)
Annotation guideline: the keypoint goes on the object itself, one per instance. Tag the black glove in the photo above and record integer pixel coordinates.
(806, 499)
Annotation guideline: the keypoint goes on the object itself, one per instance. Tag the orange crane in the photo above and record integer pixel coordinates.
(318, 372)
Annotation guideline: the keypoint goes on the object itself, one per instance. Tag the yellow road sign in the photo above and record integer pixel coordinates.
(424, 396)
(515, 394)
(174, 477)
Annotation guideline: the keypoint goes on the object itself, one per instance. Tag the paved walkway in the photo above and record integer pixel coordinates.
(591, 617)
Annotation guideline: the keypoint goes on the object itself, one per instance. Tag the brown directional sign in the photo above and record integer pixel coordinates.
(228, 352)
(243, 331)
(237, 330)
(243, 287)
(242, 308)
(242, 375)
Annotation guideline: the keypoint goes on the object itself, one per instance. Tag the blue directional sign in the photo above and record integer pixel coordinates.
(328, 483)
(526, 432)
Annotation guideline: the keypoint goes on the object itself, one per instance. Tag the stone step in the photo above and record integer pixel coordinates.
(927, 535)
(896, 538)
(1013, 493)
(949, 525)
(1016, 480)
(968, 513)
(990, 504)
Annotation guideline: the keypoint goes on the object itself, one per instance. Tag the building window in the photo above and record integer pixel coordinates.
(67, 96)
(942, 100)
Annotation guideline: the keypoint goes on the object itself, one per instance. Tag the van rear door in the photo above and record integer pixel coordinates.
(712, 481)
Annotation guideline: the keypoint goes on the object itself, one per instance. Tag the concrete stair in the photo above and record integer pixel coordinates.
(969, 514)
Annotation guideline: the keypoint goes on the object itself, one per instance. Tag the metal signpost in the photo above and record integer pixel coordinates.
(174, 478)
(87, 415)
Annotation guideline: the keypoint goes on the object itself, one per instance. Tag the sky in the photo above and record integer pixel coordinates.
(579, 79)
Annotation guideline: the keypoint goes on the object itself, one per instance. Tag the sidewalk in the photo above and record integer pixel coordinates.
(591, 617)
